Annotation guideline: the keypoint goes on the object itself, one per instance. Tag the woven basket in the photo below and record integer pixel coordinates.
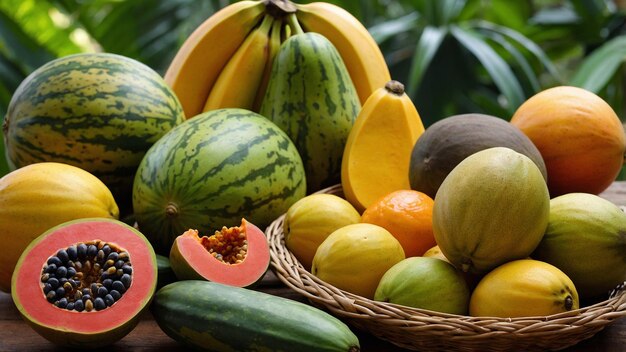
(419, 329)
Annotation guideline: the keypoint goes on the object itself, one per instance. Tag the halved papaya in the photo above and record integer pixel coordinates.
(85, 282)
(235, 256)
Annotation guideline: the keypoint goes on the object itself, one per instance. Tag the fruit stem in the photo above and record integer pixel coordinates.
(279, 8)
(569, 303)
(395, 87)
(171, 210)
(292, 20)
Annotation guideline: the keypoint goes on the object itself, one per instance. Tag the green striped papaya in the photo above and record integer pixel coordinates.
(216, 317)
(211, 171)
(310, 95)
(97, 111)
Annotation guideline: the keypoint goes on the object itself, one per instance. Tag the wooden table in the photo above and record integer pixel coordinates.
(16, 335)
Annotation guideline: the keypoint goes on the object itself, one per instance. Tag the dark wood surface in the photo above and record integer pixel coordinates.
(16, 335)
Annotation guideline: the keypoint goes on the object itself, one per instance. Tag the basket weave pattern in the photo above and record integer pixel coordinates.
(419, 329)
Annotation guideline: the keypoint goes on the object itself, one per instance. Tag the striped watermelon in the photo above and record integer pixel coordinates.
(311, 97)
(100, 112)
(212, 170)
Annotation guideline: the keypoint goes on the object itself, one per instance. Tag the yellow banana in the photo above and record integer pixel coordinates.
(247, 64)
(274, 45)
(202, 56)
(359, 51)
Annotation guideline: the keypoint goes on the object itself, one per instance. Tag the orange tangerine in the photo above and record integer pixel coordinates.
(408, 215)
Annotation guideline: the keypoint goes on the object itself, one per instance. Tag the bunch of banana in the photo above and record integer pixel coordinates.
(227, 60)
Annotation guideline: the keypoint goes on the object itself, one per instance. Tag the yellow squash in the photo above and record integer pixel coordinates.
(523, 288)
(378, 151)
(39, 196)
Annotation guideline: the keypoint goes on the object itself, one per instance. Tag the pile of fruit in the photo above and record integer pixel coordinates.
(267, 103)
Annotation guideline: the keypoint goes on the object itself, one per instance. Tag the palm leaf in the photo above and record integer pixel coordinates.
(523, 41)
(597, 69)
(496, 66)
(518, 57)
(427, 47)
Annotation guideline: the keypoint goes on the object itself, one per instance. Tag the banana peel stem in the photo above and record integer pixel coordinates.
(292, 20)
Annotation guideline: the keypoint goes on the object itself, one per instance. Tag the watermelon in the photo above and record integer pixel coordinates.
(211, 171)
(100, 112)
(311, 96)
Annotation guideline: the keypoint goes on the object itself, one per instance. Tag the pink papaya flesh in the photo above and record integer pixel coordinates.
(48, 283)
(235, 256)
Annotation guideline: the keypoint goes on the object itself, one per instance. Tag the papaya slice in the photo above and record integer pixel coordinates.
(235, 256)
(85, 282)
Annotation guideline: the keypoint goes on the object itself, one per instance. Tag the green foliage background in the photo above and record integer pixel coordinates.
(454, 56)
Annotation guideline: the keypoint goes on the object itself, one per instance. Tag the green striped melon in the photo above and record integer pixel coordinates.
(310, 95)
(100, 112)
(211, 171)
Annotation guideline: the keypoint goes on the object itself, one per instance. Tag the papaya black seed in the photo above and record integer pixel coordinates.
(78, 295)
(107, 283)
(102, 291)
(126, 280)
(60, 292)
(94, 288)
(78, 265)
(54, 260)
(109, 263)
(92, 251)
(71, 272)
(123, 256)
(45, 277)
(86, 298)
(113, 256)
(72, 252)
(86, 291)
(68, 287)
(51, 296)
(115, 294)
(99, 304)
(70, 306)
(109, 300)
(53, 282)
(46, 288)
(79, 306)
(62, 254)
(62, 303)
(106, 249)
(81, 250)
(127, 269)
(52, 268)
(62, 281)
(118, 286)
(119, 264)
(119, 272)
(104, 277)
(61, 271)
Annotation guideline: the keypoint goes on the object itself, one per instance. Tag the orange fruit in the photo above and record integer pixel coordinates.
(408, 215)
(579, 136)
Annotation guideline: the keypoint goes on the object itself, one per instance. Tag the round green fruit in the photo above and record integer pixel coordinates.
(215, 169)
(492, 208)
(97, 111)
(427, 283)
(586, 239)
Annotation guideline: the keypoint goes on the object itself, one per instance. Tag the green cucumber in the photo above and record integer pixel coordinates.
(216, 317)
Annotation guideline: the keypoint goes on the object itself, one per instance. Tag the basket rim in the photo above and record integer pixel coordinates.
(354, 307)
